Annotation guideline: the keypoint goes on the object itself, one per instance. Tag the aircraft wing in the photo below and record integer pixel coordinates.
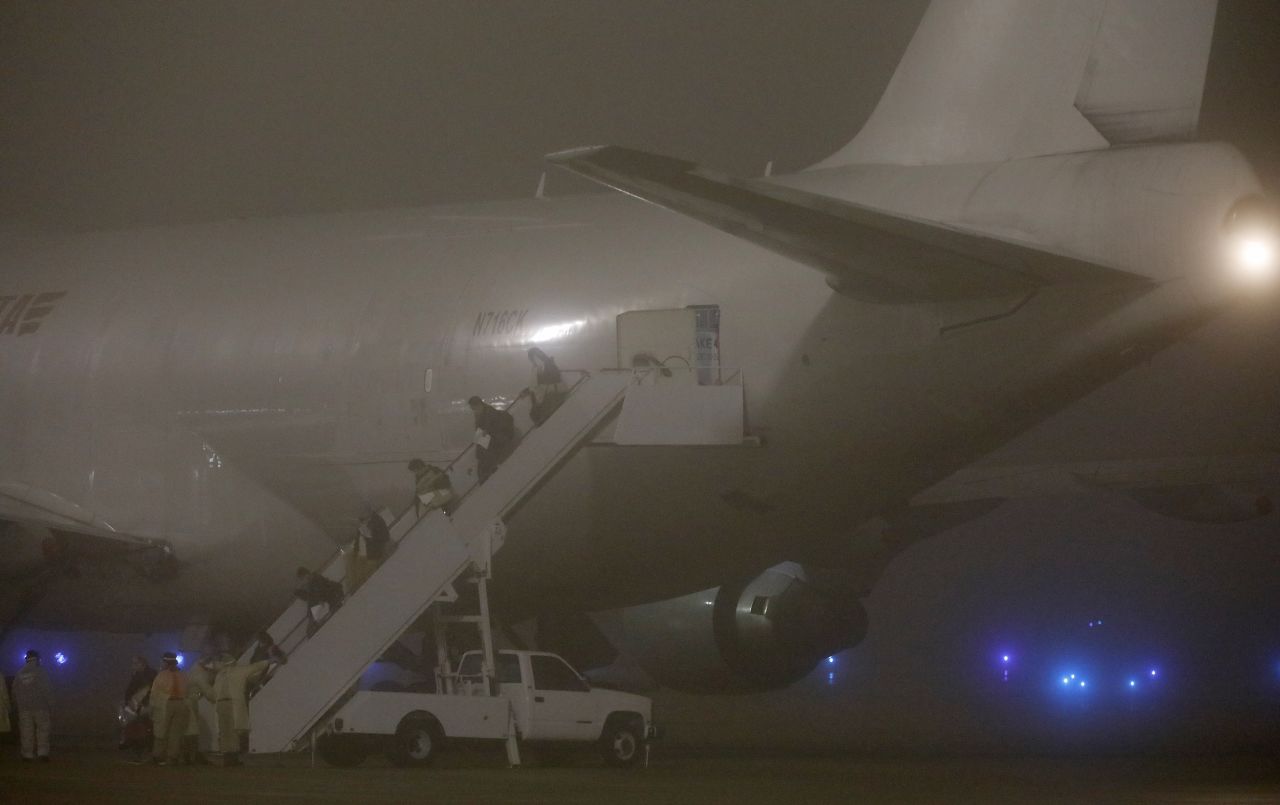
(23, 503)
(867, 254)
(1208, 489)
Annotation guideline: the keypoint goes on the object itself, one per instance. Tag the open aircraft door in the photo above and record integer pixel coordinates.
(681, 394)
(678, 339)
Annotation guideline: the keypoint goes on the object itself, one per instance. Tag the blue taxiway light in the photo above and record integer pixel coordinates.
(831, 660)
(60, 658)
(181, 660)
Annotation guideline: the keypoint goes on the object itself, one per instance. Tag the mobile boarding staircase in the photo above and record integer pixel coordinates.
(432, 552)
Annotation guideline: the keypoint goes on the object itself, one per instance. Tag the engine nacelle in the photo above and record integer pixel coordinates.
(763, 633)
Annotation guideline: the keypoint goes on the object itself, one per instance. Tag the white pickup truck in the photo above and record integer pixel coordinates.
(537, 694)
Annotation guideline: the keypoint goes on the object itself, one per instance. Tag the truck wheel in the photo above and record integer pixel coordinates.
(621, 743)
(342, 751)
(416, 742)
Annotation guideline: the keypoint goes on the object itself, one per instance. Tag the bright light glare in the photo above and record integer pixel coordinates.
(1082, 683)
(830, 660)
(1005, 658)
(1066, 681)
(181, 660)
(60, 658)
(1256, 254)
(1133, 683)
(1153, 672)
(555, 332)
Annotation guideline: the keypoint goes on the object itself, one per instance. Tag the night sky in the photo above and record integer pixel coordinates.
(117, 114)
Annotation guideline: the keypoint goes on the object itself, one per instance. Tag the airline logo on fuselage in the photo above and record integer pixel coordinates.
(22, 314)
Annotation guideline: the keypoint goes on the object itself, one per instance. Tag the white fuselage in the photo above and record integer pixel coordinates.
(242, 389)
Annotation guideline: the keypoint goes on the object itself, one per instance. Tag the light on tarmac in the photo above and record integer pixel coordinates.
(60, 658)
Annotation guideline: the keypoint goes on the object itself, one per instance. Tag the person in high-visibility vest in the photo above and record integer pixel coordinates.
(169, 711)
(230, 689)
(199, 686)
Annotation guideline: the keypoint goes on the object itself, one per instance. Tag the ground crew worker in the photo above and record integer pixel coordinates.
(34, 697)
(199, 686)
(230, 690)
(168, 711)
(136, 737)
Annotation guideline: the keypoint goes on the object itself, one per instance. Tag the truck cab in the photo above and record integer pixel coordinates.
(532, 696)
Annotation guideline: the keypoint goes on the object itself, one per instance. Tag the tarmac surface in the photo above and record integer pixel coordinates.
(100, 776)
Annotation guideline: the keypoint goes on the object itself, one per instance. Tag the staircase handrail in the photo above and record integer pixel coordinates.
(410, 511)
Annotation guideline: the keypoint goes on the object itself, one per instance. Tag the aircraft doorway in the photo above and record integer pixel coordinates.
(682, 339)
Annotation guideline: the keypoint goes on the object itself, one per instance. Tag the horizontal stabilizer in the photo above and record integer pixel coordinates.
(867, 254)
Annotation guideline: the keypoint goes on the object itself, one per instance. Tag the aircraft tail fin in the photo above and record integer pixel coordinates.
(992, 80)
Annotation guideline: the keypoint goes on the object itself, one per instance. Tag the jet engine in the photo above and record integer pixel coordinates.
(763, 633)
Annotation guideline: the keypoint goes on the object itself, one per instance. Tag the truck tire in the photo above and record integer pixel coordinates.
(416, 743)
(621, 744)
(343, 751)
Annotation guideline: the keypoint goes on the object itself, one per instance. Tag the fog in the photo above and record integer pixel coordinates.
(122, 114)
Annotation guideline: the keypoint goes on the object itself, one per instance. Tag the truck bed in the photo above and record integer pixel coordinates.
(461, 716)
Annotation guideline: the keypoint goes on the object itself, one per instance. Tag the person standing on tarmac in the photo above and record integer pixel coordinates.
(168, 711)
(199, 686)
(136, 735)
(34, 697)
(230, 689)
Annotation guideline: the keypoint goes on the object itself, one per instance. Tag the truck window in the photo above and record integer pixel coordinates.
(470, 665)
(551, 673)
(508, 666)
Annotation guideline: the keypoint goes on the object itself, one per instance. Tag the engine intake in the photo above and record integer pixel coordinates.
(763, 633)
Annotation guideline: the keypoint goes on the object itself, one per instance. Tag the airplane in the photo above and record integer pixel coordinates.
(189, 413)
